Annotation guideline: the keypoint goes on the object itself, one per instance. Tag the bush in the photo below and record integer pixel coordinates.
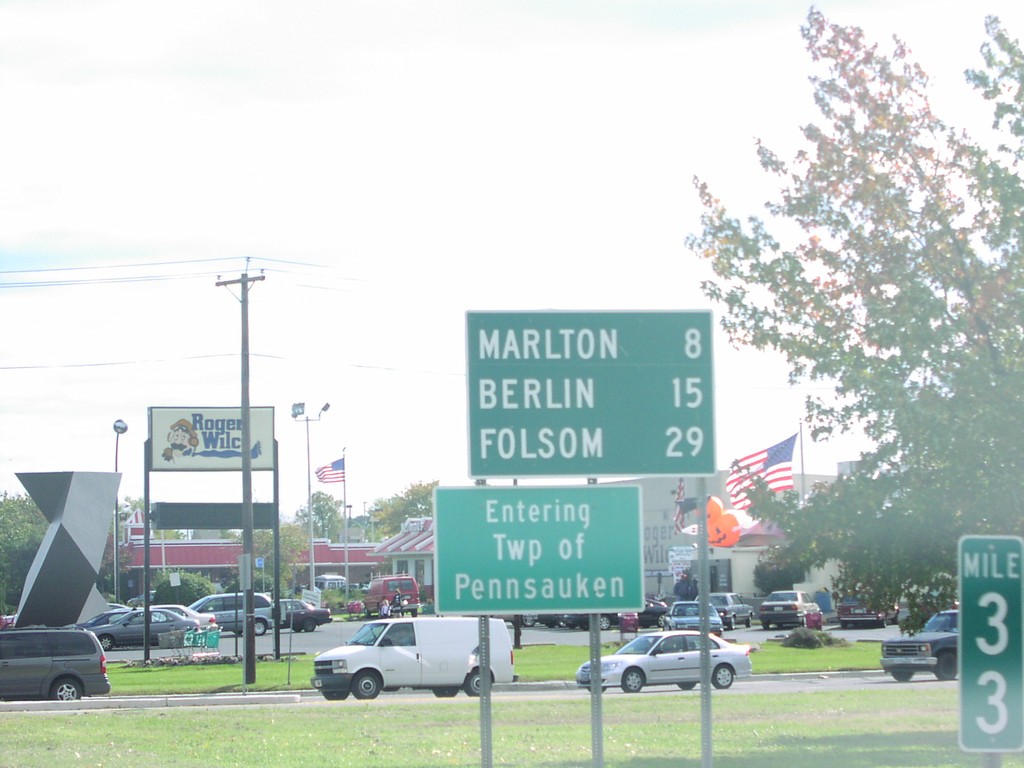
(802, 637)
(193, 586)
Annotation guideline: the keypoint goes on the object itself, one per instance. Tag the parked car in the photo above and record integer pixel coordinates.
(732, 609)
(330, 581)
(129, 629)
(139, 600)
(582, 620)
(303, 617)
(685, 614)
(787, 607)
(387, 587)
(102, 618)
(653, 612)
(852, 611)
(229, 609)
(933, 649)
(8, 621)
(204, 619)
(669, 658)
(64, 664)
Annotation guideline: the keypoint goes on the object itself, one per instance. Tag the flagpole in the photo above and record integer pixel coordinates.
(803, 482)
(344, 511)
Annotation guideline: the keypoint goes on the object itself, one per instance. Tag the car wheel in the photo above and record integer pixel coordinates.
(366, 685)
(730, 623)
(722, 676)
(309, 625)
(260, 627)
(529, 620)
(765, 625)
(446, 692)
(604, 622)
(106, 642)
(686, 686)
(902, 675)
(471, 685)
(66, 689)
(335, 695)
(749, 621)
(633, 680)
(945, 669)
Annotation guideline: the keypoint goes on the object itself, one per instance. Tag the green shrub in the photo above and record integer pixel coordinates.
(802, 637)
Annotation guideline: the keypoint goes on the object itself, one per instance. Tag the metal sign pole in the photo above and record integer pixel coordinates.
(484, 659)
(596, 720)
(704, 570)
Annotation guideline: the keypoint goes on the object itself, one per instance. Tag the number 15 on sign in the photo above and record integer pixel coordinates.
(991, 649)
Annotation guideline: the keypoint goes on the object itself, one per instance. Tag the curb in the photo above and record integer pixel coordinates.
(152, 702)
(247, 699)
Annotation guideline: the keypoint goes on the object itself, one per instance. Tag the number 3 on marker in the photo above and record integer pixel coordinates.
(998, 698)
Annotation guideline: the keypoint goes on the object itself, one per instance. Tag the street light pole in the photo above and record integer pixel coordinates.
(298, 409)
(119, 429)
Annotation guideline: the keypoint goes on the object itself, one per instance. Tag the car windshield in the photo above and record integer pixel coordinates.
(688, 609)
(717, 599)
(639, 646)
(368, 633)
(781, 597)
(942, 622)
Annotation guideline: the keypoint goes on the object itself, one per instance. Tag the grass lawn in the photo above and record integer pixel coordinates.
(890, 727)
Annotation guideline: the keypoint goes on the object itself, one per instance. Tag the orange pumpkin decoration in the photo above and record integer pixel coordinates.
(723, 529)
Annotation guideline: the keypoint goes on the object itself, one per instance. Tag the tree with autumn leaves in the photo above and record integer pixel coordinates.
(901, 289)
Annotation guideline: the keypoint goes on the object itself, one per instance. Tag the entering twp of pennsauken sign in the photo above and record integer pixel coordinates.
(590, 394)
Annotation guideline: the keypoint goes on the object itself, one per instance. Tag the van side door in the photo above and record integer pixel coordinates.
(400, 660)
(25, 661)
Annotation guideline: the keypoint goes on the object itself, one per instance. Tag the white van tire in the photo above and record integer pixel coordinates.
(472, 684)
(366, 685)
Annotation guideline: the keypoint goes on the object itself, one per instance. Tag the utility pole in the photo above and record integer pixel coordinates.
(245, 566)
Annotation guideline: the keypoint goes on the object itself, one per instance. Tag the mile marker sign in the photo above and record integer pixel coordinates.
(991, 656)
(590, 394)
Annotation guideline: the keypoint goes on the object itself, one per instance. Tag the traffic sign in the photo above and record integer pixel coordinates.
(538, 550)
(590, 394)
(991, 655)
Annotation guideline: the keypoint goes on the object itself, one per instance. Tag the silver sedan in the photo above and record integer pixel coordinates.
(669, 658)
(127, 629)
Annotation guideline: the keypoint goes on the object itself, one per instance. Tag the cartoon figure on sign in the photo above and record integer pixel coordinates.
(182, 440)
(723, 529)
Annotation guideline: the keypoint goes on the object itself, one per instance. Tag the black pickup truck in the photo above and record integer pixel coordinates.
(933, 649)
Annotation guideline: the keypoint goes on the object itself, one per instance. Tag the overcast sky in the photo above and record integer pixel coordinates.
(387, 166)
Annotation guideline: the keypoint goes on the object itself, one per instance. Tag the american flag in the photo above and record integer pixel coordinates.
(332, 473)
(774, 465)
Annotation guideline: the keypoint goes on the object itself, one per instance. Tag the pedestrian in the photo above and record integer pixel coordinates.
(682, 588)
(385, 608)
(397, 603)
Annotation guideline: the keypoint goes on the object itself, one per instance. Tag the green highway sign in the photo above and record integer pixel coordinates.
(538, 550)
(991, 656)
(590, 394)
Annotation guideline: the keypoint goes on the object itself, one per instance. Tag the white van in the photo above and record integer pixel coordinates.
(441, 654)
(330, 581)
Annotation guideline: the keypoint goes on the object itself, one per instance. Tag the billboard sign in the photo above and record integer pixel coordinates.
(208, 439)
